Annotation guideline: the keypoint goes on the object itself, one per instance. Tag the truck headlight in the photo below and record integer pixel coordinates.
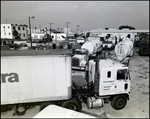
(82, 64)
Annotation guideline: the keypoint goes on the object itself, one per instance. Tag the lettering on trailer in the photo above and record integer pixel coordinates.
(107, 87)
(10, 77)
(108, 81)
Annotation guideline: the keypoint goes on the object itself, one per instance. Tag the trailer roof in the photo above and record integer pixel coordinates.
(35, 52)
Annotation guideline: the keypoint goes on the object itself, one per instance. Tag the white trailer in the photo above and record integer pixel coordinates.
(34, 76)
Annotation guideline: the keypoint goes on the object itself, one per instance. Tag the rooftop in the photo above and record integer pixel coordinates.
(108, 63)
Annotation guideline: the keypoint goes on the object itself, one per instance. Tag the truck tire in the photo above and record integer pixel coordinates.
(72, 104)
(119, 102)
(45, 104)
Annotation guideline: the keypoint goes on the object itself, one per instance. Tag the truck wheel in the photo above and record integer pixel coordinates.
(72, 104)
(45, 104)
(119, 102)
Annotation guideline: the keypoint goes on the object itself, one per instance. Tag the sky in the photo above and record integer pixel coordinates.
(87, 14)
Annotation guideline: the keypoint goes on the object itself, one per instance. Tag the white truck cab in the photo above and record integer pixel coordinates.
(79, 59)
(88, 49)
(114, 77)
(114, 81)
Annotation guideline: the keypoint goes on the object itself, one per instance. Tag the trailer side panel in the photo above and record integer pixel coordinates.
(35, 78)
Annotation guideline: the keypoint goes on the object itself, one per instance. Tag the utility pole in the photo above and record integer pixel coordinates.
(30, 30)
(50, 27)
(40, 27)
(67, 30)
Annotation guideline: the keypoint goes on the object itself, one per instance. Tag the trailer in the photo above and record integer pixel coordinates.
(32, 76)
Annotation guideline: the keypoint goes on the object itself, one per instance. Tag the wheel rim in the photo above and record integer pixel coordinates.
(120, 103)
(72, 107)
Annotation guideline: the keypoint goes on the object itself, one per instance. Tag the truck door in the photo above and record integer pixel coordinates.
(122, 81)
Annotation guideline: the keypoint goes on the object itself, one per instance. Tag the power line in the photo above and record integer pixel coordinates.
(41, 21)
(64, 25)
(17, 21)
(48, 22)
(10, 19)
(33, 22)
(22, 20)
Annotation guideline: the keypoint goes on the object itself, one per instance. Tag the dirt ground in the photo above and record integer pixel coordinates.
(137, 106)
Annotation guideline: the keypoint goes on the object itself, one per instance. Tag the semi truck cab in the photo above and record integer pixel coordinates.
(79, 59)
(114, 80)
(114, 77)
(88, 50)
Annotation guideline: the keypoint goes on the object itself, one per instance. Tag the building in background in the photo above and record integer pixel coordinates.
(8, 29)
(12, 32)
(57, 37)
(68, 33)
(37, 36)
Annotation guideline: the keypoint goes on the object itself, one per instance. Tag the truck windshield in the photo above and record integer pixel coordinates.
(80, 52)
(122, 74)
(107, 42)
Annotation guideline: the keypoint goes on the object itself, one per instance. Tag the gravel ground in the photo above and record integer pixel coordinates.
(137, 106)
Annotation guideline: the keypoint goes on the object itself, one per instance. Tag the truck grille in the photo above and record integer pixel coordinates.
(75, 62)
